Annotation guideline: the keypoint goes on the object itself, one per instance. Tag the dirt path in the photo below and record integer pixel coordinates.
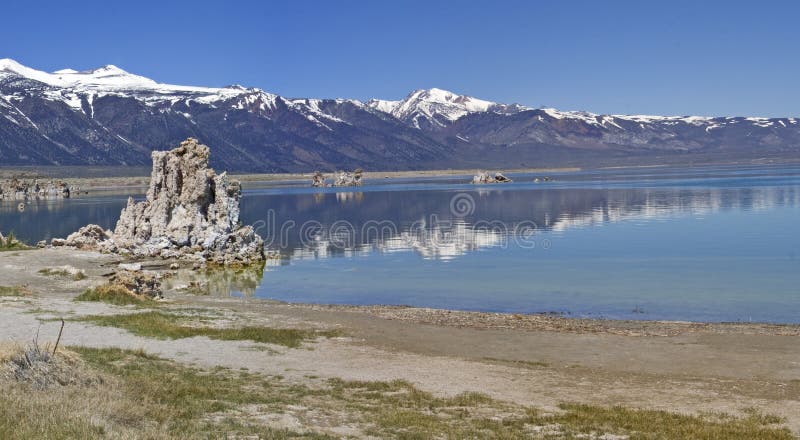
(723, 369)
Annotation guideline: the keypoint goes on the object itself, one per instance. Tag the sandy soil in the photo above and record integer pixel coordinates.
(537, 360)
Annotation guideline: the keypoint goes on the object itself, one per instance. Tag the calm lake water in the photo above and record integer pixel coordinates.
(705, 244)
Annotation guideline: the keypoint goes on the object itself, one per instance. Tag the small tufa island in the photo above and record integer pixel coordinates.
(21, 189)
(484, 177)
(190, 212)
(342, 178)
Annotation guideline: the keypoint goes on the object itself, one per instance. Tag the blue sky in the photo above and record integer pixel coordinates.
(653, 57)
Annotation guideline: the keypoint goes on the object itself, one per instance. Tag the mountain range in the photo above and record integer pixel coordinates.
(107, 116)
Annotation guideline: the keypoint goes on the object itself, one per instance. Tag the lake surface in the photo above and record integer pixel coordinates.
(704, 244)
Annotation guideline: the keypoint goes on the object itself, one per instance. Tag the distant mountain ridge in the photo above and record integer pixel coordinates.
(108, 116)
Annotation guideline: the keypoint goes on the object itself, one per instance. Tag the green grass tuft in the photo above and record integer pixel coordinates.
(14, 291)
(9, 243)
(171, 326)
(77, 276)
(653, 424)
(114, 294)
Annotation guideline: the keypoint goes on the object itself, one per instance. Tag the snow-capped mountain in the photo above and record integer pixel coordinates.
(71, 86)
(110, 116)
(437, 108)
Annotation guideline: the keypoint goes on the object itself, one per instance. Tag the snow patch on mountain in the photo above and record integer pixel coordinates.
(707, 122)
(10, 66)
(313, 111)
(382, 105)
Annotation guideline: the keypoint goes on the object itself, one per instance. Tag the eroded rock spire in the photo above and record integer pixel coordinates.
(189, 211)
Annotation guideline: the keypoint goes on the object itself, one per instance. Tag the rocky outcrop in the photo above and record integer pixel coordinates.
(346, 178)
(20, 189)
(485, 177)
(189, 212)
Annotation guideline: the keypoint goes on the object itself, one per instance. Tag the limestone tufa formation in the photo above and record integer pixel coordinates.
(19, 189)
(318, 180)
(485, 177)
(345, 178)
(189, 212)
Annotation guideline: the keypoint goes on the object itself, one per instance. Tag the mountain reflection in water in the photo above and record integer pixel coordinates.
(324, 225)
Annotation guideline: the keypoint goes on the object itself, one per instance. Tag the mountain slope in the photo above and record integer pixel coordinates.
(107, 116)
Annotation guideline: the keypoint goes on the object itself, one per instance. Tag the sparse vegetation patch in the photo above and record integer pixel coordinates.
(163, 325)
(143, 396)
(10, 243)
(114, 294)
(64, 271)
(14, 291)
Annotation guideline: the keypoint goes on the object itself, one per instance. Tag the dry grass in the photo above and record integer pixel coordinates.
(41, 367)
(7, 350)
(115, 294)
(162, 325)
(9, 243)
(14, 291)
(142, 396)
(649, 424)
(67, 272)
(402, 411)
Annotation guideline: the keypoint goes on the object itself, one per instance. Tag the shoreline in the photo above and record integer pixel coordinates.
(113, 183)
(140, 180)
(475, 319)
(544, 321)
(457, 318)
(135, 177)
